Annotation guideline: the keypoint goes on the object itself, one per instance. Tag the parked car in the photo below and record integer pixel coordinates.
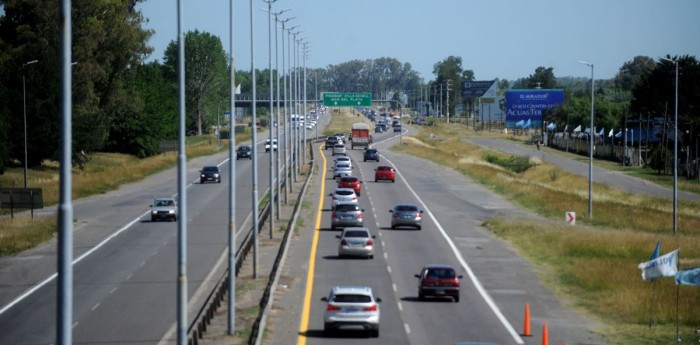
(438, 281)
(344, 159)
(267, 145)
(244, 151)
(384, 173)
(371, 155)
(347, 214)
(342, 169)
(351, 182)
(350, 308)
(356, 241)
(406, 215)
(339, 149)
(164, 209)
(342, 195)
(210, 173)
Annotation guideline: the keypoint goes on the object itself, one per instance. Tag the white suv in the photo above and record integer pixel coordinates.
(351, 308)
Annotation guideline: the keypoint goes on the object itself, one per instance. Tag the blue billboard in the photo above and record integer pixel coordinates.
(526, 106)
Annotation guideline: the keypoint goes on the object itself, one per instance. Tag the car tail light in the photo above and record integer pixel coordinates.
(354, 198)
(333, 215)
(360, 216)
(418, 216)
(334, 198)
(343, 242)
(372, 308)
(370, 242)
(396, 215)
(331, 307)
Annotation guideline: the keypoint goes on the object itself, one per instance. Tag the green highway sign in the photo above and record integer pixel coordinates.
(347, 99)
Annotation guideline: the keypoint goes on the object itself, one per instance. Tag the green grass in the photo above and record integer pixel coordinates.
(593, 264)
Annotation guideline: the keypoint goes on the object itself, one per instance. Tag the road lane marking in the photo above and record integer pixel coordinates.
(95, 307)
(304, 324)
(129, 276)
(75, 324)
(398, 304)
(113, 290)
(408, 329)
(477, 284)
(393, 286)
(385, 256)
(388, 268)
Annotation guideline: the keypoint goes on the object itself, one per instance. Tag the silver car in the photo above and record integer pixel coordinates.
(347, 214)
(339, 149)
(164, 209)
(406, 215)
(351, 308)
(342, 169)
(356, 241)
(342, 195)
(343, 159)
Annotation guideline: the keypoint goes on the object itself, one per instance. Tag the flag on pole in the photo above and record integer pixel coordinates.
(610, 134)
(618, 134)
(602, 131)
(577, 129)
(689, 276)
(663, 266)
(656, 252)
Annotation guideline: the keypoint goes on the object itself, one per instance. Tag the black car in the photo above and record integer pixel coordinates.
(371, 155)
(244, 151)
(331, 141)
(210, 173)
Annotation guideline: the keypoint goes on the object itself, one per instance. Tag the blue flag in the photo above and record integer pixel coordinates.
(655, 254)
(690, 276)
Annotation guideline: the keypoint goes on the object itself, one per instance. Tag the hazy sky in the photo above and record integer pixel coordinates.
(495, 38)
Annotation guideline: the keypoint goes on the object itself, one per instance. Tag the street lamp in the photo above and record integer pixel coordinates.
(675, 153)
(24, 104)
(591, 133)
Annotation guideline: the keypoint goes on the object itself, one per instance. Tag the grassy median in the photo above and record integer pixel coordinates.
(593, 264)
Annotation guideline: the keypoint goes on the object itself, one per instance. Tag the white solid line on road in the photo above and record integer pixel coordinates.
(393, 286)
(406, 328)
(388, 268)
(113, 290)
(95, 307)
(400, 306)
(477, 284)
(75, 324)
(129, 276)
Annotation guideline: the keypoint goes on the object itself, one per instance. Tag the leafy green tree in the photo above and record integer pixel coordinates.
(630, 74)
(206, 76)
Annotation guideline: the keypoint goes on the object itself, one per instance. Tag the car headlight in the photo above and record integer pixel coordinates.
(171, 211)
(202, 176)
(216, 175)
(154, 212)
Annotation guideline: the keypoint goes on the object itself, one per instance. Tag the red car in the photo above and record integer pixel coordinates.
(438, 281)
(351, 182)
(384, 173)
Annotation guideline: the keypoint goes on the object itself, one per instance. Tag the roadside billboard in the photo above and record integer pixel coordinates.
(527, 105)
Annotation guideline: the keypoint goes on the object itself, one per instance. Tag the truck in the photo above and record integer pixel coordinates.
(360, 135)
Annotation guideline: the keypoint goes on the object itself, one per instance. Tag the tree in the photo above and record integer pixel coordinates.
(630, 74)
(206, 75)
(107, 41)
(543, 78)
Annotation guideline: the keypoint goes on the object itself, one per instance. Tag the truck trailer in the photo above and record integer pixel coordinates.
(360, 135)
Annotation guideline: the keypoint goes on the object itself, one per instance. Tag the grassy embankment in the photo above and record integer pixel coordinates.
(103, 173)
(593, 265)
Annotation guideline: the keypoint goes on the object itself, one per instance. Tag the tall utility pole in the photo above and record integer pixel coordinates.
(291, 177)
(256, 225)
(448, 100)
(591, 134)
(24, 102)
(271, 137)
(231, 317)
(306, 47)
(287, 123)
(675, 153)
(442, 110)
(279, 124)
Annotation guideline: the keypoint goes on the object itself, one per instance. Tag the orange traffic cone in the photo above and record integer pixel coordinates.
(526, 328)
(545, 336)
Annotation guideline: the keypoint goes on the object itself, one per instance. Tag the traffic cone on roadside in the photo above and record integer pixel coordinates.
(526, 328)
(545, 336)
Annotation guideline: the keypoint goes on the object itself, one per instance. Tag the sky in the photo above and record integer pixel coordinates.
(505, 39)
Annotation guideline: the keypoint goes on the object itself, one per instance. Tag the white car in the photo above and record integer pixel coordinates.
(351, 308)
(267, 145)
(343, 159)
(342, 195)
(342, 169)
(165, 209)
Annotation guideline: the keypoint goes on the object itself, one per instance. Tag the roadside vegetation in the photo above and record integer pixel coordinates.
(103, 173)
(593, 264)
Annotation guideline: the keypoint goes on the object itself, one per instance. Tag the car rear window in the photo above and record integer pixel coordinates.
(347, 208)
(348, 179)
(342, 166)
(406, 208)
(384, 168)
(339, 146)
(352, 298)
(356, 233)
(440, 273)
(344, 192)
(371, 151)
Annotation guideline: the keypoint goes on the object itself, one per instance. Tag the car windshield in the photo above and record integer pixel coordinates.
(406, 208)
(440, 273)
(210, 169)
(356, 233)
(165, 203)
(352, 299)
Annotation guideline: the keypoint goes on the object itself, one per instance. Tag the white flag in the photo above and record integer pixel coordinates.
(663, 266)
(611, 133)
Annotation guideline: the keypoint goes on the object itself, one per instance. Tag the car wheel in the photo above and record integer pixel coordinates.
(153, 219)
(375, 333)
(393, 226)
(174, 219)
(364, 160)
(418, 227)
(421, 297)
(201, 181)
(456, 299)
(237, 158)
(392, 181)
(219, 181)
(371, 257)
(332, 227)
(375, 180)
(327, 331)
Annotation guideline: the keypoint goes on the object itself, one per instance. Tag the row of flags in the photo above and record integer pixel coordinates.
(667, 266)
(523, 124)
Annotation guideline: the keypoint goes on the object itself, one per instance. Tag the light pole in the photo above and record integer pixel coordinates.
(279, 123)
(270, 136)
(590, 145)
(24, 104)
(254, 141)
(675, 153)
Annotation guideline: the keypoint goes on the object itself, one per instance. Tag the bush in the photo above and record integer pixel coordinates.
(516, 164)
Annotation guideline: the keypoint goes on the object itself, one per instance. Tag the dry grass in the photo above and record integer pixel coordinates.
(593, 264)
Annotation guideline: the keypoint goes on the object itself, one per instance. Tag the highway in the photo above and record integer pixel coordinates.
(126, 270)
(496, 286)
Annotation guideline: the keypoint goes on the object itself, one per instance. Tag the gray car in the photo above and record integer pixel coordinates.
(164, 209)
(351, 308)
(406, 215)
(356, 241)
(339, 149)
(342, 195)
(347, 214)
(342, 169)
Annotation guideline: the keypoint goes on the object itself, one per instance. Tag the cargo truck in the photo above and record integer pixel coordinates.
(360, 135)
